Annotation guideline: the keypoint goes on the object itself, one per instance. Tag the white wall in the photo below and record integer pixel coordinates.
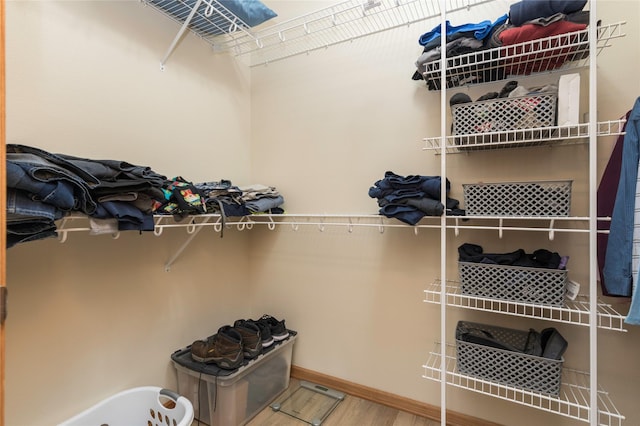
(94, 316)
(87, 75)
(84, 79)
(343, 116)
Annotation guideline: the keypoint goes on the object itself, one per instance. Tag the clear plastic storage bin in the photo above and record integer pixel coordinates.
(233, 397)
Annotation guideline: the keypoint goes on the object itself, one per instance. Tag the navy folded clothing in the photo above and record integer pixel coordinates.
(540, 258)
(526, 10)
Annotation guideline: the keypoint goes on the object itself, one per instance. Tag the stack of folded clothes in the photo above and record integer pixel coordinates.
(460, 40)
(527, 20)
(534, 19)
(410, 198)
(43, 187)
(541, 258)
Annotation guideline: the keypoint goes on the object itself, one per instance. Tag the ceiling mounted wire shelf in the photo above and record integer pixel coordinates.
(543, 136)
(572, 400)
(554, 53)
(210, 18)
(207, 19)
(574, 312)
(342, 22)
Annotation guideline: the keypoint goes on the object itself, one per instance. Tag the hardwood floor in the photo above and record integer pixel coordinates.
(352, 411)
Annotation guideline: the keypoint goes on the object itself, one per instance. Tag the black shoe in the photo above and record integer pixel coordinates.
(278, 329)
(265, 333)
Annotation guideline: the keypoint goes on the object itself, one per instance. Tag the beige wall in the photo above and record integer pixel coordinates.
(344, 116)
(94, 315)
(98, 315)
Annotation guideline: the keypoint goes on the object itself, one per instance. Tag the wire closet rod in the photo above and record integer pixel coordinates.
(196, 222)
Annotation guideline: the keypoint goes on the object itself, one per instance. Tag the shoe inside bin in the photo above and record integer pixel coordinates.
(310, 403)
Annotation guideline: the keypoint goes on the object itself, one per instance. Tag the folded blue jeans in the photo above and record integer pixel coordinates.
(405, 213)
(51, 183)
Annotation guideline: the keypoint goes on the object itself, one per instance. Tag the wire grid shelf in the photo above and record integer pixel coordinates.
(342, 22)
(547, 136)
(509, 367)
(81, 223)
(519, 284)
(575, 312)
(559, 52)
(546, 198)
(211, 18)
(192, 223)
(497, 115)
(572, 400)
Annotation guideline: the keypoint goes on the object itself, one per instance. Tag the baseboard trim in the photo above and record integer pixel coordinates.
(385, 398)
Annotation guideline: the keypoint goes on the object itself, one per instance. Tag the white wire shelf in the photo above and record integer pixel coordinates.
(555, 53)
(342, 22)
(543, 136)
(81, 223)
(573, 399)
(574, 312)
(195, 223)
(502, 224)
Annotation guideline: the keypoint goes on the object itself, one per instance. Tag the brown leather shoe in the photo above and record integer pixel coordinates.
(251, 337)
(223, 349)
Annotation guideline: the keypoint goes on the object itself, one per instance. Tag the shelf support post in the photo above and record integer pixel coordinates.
(443, 218)
(184, 27)
(594, 413)
(196, 230)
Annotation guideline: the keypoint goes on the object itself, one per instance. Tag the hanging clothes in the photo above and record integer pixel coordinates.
(633, 317)
(617, 269)
(606, 196)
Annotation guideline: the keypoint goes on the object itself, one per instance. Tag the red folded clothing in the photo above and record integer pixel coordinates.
(549, 54)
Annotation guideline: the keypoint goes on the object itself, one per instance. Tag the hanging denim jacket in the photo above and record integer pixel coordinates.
(619, 264)
(617, 269)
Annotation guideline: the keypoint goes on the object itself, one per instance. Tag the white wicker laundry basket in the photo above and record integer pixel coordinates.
(147, 405)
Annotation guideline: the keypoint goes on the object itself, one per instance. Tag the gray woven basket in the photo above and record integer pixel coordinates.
(514, 283)
(507, 367)
(524, 199)
(477, 124)
(504, 114)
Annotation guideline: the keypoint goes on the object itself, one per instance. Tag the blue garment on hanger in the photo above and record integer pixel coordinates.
(607, 190)
(625, 218)
(480, 30)
(617, 267)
